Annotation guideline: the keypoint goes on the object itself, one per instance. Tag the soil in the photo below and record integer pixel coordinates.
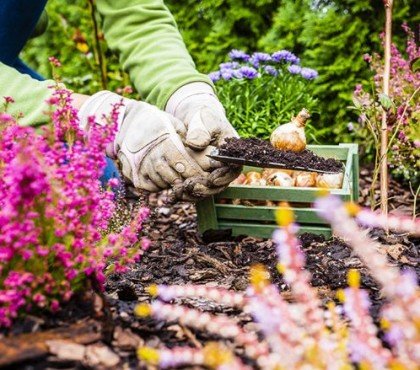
(180, 256)
(263, 152)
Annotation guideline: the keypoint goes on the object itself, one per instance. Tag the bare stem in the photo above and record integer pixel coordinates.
(100, 56)
(384, 126)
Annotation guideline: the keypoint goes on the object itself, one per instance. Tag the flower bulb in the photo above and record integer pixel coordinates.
(254, 178)
(330, 180)
(267, 172)
(280, 179)
(291, 136)
(304, 179)
(240, 180)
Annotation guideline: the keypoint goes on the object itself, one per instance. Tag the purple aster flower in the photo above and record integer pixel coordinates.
(309, 73)
(294, 69)
(215, 76)
(286, 56)
(350, 126)
(271, 71)
(248, 72)
(229, 65)
(227, 74)
(258, 58)
(239, 55)
(237, 74)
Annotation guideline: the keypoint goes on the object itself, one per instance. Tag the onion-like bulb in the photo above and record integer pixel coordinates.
(330, 180)
(280, 179)
(239, 180)
(291, 136)
(304, 179)
(267, 172)
(254, 178)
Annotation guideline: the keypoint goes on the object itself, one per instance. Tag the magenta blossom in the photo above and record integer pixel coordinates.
(54, 214)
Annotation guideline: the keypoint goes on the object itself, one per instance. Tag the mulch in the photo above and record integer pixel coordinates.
(179, 256)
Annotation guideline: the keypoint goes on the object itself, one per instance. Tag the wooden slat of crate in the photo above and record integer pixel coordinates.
(206, 214)
(266, 231)
(338, 152)
(261, 213)
(290, 194)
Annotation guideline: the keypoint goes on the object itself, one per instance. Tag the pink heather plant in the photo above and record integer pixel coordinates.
(402, 106)
(303, 334)
(54, 213)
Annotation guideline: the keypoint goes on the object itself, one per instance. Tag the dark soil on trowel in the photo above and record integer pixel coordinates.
(180, 256)
(263, 152)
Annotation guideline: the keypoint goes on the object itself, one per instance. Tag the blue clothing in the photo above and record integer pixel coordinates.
(18, 19)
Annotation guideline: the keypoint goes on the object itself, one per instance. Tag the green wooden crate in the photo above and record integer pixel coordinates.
(259, 221)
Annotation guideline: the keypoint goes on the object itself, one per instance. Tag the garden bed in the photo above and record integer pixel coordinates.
(179, 256)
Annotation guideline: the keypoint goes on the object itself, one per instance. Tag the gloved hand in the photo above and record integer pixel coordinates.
(197, 106)
(151, 152)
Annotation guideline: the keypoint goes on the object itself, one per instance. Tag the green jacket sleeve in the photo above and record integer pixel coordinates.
(150, 46)
(29, 96)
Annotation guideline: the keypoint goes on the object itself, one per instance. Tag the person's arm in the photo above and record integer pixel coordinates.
(29, 95)
(150, 47)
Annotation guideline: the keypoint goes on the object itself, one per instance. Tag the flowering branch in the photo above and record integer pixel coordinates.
(54, 213)
(218, 295)
(218, 325)
(302, 334)
(365, 346)
(213, 355)
(403, 224)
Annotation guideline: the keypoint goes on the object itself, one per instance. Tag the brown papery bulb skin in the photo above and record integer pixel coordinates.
(239, 180)
(280, 179)
(291, 136)
(330, 180)
(254, 178)
(305, 179)
(267, 172)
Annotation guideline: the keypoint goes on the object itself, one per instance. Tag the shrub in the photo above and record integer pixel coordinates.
(403, 111)
(54, 213)
(303, 333)
(332, 36)
(261, 91)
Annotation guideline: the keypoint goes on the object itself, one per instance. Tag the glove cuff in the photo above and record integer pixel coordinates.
(100, 106)
(194, 89)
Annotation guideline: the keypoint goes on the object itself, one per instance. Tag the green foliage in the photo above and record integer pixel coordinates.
(402, 109)
(332, 37)
(258, 100)
(212, 28)
(72, 39)
(256, 107)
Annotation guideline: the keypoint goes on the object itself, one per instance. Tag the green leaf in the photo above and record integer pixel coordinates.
(385, 101)
(415, 65)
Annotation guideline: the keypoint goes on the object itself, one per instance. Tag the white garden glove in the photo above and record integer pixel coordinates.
(151, 152)
(197, 106)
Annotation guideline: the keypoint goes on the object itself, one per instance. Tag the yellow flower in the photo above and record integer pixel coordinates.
(143, 310)
(148, 355)
(353, 278)
(152, 290)
(284, 215)
(82, 47)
